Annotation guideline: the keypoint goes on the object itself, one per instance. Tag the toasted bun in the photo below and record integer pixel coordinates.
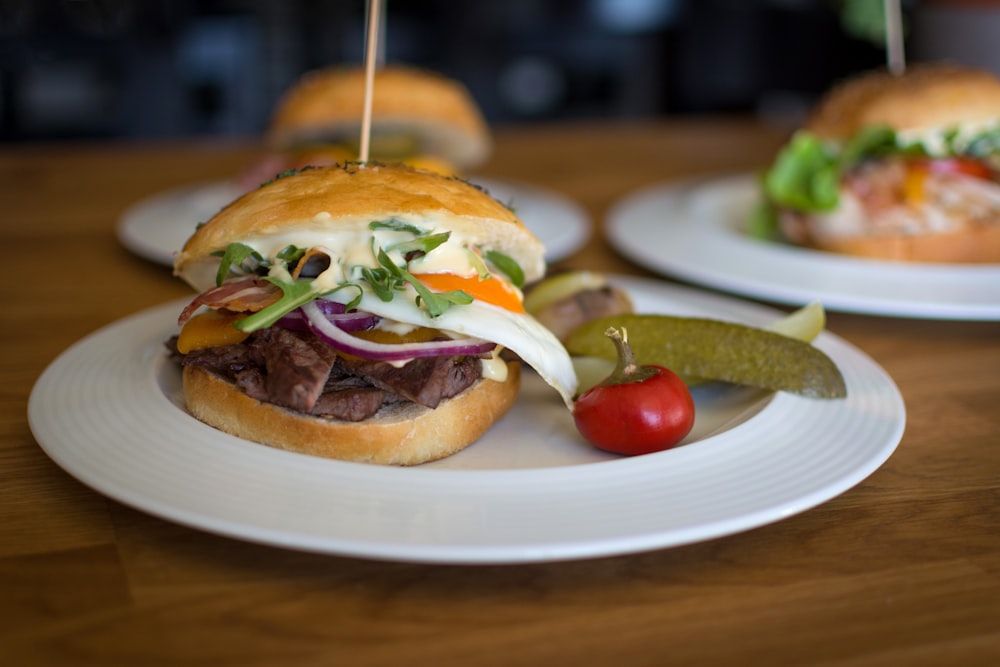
(401, 434)
(438, 111)
(974, 245)
(925, 98)
(346, 198)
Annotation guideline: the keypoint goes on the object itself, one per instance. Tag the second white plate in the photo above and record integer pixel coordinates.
(157, 227)
(695, 232)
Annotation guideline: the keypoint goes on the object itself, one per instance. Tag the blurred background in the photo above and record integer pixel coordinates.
(98, 69)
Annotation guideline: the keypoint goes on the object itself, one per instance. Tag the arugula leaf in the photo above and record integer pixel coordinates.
(291, 255)
(436, 303)
(240, 258)
(294, 294)
(423, 244)
(507, 266)
(382, 282)
(396, 226)
(481, 269)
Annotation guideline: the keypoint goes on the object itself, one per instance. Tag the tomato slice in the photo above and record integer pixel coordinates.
(913, 181)
(491, 290)
(959, 165)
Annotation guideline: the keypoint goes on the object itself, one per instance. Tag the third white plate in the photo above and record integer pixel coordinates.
(695, 232)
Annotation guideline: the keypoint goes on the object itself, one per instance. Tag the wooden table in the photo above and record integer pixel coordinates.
(903, 569)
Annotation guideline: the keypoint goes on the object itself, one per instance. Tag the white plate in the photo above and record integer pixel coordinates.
(157, 227)
(694, 232)
(109, 411)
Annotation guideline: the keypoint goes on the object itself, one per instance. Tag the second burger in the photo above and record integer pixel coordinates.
(418, 117)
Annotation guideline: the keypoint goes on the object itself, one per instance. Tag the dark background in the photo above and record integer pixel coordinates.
(89, 69)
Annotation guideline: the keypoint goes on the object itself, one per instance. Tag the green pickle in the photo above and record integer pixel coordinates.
(700, 349)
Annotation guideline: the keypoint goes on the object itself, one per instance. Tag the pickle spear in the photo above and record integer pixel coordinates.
(706, 349)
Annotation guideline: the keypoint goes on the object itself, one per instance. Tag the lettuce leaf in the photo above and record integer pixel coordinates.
(806, 173)
(805, 176)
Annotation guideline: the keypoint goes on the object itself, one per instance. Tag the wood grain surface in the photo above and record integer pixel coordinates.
(904, 569)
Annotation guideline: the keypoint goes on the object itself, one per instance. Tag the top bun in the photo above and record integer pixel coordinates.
(925, 98)
(439, 113)
(307, 207)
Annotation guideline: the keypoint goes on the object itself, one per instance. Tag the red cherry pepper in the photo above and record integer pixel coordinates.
(637, 409)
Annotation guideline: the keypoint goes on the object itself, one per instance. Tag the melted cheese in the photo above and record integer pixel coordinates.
(495, 368)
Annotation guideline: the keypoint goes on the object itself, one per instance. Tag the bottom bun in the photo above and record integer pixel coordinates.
(401, 434)
(977, 245)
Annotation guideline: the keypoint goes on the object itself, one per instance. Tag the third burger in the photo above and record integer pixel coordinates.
(894, 167)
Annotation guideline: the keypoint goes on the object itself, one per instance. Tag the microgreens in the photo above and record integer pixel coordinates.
(396, 226)
(238, 258)
(419, 245)
(386, 279)
(391, 278)
(506, 265)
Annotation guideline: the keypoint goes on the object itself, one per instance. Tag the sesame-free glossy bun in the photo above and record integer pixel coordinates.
(971, 244)
(346, 198)
(401, 434)
(437, 111)
(924, 98)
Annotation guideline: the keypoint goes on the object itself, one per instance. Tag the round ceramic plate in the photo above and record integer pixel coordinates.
(109, 411)
(157, 227)
(695, 232)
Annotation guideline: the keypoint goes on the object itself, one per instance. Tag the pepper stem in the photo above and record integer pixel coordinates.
(627, 369)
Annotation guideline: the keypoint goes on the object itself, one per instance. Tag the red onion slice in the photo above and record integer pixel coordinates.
(345, 342)
(353, 321)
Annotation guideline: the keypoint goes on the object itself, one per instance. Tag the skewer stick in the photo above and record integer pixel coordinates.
(371, 59)
(894, 37)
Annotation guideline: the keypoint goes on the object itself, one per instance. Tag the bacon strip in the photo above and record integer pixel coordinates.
(248, 294)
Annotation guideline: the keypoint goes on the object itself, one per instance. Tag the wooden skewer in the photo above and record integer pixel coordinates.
(371, 59)
(894, 37)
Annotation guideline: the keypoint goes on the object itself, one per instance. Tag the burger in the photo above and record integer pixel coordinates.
(894, 167)
(363, 312)
(418, 117)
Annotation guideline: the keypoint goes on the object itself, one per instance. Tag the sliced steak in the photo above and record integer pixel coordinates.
(299, 371)
(253, 383)
(426, 380)
(349, 403)
(296, 367)
(226, 360)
